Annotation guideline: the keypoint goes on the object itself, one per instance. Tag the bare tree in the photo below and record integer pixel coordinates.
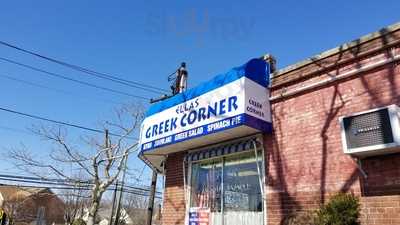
(76, 200)
(136, 207)
(100, 160)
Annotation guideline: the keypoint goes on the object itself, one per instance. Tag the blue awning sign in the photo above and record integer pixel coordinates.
(231, 105)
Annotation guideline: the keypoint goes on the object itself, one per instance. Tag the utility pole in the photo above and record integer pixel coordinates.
(151, 198)
(181, 79)
(118, 214)
(107, 145)
(40, 219)
(113, 204)
(179, 86)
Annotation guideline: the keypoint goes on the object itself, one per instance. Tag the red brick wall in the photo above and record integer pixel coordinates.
(306, 160)
(173, 211)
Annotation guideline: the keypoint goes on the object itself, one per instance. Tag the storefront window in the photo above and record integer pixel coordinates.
(206, 185)
(234, 178)
(241, 185)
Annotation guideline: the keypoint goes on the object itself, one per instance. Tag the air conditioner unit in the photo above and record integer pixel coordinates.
(372, 132)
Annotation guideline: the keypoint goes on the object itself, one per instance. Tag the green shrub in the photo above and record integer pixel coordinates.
(342, 209)
(79, 222)
(301, 218)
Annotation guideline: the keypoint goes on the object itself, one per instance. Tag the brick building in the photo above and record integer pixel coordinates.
(23, 204)
(303, 162)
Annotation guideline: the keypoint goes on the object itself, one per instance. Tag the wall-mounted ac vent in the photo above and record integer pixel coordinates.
(373, 132)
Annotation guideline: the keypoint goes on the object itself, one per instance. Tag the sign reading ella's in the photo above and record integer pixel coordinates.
(230, 105)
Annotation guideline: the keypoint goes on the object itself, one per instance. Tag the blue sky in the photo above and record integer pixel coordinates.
(145, 42)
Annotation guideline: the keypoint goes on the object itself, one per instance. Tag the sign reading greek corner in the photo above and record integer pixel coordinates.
(231, 100)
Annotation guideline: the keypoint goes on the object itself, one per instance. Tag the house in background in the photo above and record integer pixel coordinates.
(25, 205)
(128, 216)
(104, 214)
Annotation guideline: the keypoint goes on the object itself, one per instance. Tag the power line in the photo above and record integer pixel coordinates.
(128, 188)
(51, 88)
(59, 181)
(72, 188)
(72, 79)
(59, 122)
(105, 76)
(65, 184)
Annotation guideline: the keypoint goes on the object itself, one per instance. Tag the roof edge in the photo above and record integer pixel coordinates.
(364, 39)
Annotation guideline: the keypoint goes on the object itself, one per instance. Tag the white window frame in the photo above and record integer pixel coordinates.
(263, 186)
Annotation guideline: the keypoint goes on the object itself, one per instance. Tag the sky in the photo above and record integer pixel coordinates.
(145, 42)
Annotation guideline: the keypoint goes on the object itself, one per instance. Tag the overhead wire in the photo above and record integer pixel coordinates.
(64, 183)
(105, 76)
(73, 188)
(60, 122)
(51, 88)
(60, 76)
(109, 77)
